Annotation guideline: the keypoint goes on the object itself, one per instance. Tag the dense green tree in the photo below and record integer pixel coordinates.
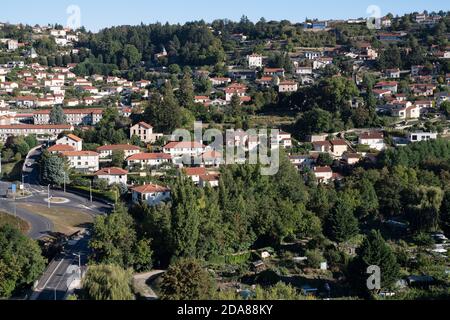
(54, 170)
(114, 241)
(186, 91)
(424, 208)
(445, 212)
(374, 251)
(57, 115)
(107, 282)
(187, 280)
(343, 224)
(185, 218)
(118, 158)
(21, 262)
(164, 111)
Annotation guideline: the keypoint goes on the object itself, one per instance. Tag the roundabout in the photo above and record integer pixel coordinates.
(57, 200)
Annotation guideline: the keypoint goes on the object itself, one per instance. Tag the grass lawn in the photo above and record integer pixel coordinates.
(66, 221)
(17, 222)
(13, 170)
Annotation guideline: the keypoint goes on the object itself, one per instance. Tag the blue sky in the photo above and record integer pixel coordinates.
(97, 14)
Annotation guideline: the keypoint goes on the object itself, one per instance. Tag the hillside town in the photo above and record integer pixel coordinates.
(359, 117)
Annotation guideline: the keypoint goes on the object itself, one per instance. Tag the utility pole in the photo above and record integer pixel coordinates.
(64, 182)
(48, 198)
(90, 190)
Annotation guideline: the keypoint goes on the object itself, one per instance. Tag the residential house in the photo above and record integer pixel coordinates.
(152, 194)
(351, 158)
(392, 73)
(212, 158)
(338, 147)
(209, 180)
(106, 151)
(421, 136)
(323, 174)
(113, 175)
(142, 160)
(255, 61)
(145, 132)
(373, 139)
(304, 70)
(195, 173)
(235, 89)
(287, 86)
(322, 62)
(220, 81)
(188, 148)
(322, 146)
(84, 161)
(392, 86)
(41, 131)
(406, 112)
(285, 139)
(60, 148)
(71, 140)
(279, 72)
(88, 117)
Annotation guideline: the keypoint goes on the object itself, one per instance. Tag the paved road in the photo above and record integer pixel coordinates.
(63, 270)
(39, 226)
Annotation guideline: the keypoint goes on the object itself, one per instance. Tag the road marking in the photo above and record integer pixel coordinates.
(52, 274)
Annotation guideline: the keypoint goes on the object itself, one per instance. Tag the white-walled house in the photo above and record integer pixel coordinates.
(113, 175)
(152, 194)
(107, 151)
(84, 161)
(288, 86)
(71, 140)
(195, 173)
(50, 131)
(255, 61)
(179, 149)
(421, 136)
(148, 159)
(323, 174)
(375, 140)
(145, 132)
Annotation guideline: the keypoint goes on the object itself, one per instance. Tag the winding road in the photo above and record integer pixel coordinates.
(64, 270)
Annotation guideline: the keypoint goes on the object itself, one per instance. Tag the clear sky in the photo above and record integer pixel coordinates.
(97, 14)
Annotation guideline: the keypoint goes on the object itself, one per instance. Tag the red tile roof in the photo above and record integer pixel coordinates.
(60, 148)
(150, 188)
(145, 125)
(80, 154)
(183, 145)
(323, 170)
(74, 137)
(114, 147)
(149, 156)
(195, 171)
(372, 135)
(111, 172)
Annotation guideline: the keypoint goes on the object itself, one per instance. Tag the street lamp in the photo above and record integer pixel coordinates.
(79, 263)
